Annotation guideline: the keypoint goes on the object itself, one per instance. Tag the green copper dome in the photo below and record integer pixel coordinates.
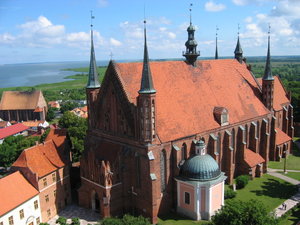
(200, 168)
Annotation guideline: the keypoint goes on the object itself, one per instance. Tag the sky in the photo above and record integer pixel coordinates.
(59, 30)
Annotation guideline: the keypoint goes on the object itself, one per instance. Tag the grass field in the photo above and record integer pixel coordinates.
(270, 190)
(292, 217)
(174, 219)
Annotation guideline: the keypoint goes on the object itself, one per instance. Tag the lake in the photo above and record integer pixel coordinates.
(30, 74)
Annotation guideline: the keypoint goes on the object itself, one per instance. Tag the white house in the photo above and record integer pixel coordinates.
(20, 203)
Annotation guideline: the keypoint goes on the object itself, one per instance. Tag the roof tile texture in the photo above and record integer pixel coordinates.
(16, 100)
(187, 95)
(282, 137)
(11, 130)
(252, 158)
(14, 190)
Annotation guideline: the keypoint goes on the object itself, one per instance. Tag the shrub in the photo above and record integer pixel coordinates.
(75, 221)
(61, 220)
(229, 193)
(241, 181)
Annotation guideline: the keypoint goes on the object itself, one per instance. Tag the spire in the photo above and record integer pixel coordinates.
(191, 52)
(146, 83)
(268, 72)
(93, 74)
(216, 54)
(238, 52)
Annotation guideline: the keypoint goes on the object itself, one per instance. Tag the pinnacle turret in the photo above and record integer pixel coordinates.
(93, 73)
(146, 83)
(268, 71)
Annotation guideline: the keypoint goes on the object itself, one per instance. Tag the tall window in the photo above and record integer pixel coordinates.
(218, 149)
(163, 170)
(187, 198)
(257, 130)
(138, 171)
(10, 220)
(38, 220)
(53, 177)
(36, 204)
(45, 182)
(183, 152)
(49, 212)
(246, 133)
(21, 212)
(47, 198)
(232, 143)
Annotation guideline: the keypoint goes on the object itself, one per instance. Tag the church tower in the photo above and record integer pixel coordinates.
(93, 86)
(268, 81)
(146, 100)
(191, 54)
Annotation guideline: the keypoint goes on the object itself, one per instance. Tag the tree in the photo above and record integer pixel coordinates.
(68, 106)
(77, 127)
(236, 212)
(50, 114)
(126, 220)
(61, 220)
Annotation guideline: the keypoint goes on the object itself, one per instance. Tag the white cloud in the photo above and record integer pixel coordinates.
(171, 35)
(6, 38)
(246, 2)
(102, 3)
(211, 6)
(115, 42)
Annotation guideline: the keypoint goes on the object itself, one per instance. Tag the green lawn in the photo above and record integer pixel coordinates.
(174, 219)
(294, 175)
(292, 163)
(270, 190)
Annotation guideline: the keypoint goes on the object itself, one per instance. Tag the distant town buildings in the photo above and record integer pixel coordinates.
(81, 112)
(22, 106)
(13, 130)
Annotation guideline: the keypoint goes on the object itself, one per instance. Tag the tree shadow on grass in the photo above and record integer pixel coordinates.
(273, 188)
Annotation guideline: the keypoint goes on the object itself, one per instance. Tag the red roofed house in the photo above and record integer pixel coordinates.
(16, 129)
(147, 117)
(19, 201)
(23, 106)
(47, 166)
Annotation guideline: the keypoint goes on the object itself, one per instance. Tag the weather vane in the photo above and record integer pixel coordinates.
(191, 4)
(269, 29)
(239, 29)
(92, 17)
(111, 55)
(217, 29)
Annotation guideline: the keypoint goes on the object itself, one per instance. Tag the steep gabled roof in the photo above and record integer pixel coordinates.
(14, 191)
(16, 100)
(186, 96)
(58, 136)
(41, 159)
(282, 137)
(280, 95)
(252, 158)
(12, 130)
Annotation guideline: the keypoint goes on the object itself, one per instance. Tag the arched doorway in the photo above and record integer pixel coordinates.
(95, 201)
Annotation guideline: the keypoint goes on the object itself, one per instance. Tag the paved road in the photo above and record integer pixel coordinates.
(86, 216)
(292, 201)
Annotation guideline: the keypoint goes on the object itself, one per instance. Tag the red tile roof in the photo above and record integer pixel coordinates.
(282, 137)
(280, 95)
(14, 190)
(16, 100)
(252, 159)
(11, 130)
(41, 159)
(58, 136)
(187, 95)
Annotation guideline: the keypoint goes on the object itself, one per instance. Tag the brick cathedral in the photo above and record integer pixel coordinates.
(147, 117)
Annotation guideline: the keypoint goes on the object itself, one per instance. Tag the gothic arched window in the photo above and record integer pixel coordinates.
(163, 170)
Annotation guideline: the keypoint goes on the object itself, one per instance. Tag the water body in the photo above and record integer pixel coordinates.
(30, 74)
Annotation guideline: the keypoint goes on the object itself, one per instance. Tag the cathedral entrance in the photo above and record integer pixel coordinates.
(95, 202)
